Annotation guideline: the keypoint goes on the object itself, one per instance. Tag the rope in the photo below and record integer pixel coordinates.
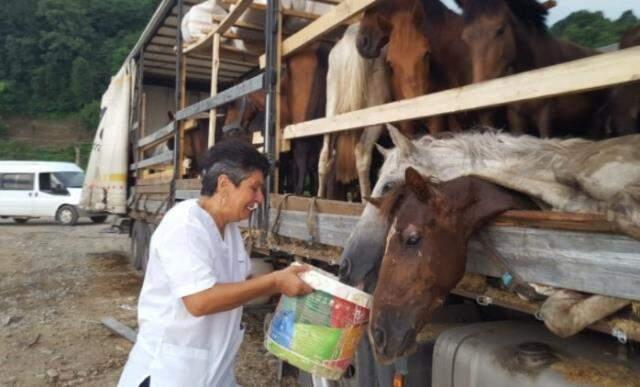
(273, 233)
(312, 220)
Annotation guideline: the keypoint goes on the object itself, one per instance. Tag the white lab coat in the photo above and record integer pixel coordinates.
(187, 255)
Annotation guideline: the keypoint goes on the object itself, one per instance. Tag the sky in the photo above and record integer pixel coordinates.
(611, 8)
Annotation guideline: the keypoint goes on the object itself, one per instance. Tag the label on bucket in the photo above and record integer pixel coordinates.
(316, 342)
(315, 308)
(346, 314)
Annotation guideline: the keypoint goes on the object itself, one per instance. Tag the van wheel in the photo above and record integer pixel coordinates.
(98, 219)
(67, 215)
(140, 240)
(20, 220)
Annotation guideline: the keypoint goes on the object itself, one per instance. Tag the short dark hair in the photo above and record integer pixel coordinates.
(236, 159)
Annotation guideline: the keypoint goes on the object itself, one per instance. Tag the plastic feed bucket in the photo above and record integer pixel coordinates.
(319, 333)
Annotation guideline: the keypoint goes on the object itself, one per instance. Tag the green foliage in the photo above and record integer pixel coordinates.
(58, 55)
(592, 29)
(4, 130)
(14, 150)
(90, 115)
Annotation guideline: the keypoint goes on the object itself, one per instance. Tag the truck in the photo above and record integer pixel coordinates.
(138, 171)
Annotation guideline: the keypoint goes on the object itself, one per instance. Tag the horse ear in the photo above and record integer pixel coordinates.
(401, 142)
(422, 187)
(376, 202)
(383, 151)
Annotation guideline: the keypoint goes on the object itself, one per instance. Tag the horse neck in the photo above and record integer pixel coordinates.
(443, 28)
(537, 49)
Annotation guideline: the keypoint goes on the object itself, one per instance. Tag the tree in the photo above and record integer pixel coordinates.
(592, 29)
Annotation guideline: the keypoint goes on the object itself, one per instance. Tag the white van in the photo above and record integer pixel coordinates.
(33, 189)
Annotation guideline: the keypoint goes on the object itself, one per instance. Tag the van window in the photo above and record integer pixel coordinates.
(69, 179)
(17, 181)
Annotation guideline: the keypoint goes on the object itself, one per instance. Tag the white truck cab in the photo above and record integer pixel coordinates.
(34, 189)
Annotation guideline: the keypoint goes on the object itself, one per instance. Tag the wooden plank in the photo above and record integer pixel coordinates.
(184, 194)
(157, 178)
(155, 160)
(322, 206)
(163, 188)
(576, 76)
(321, 26)
(226, 96)
(591, 262)
(192, 70)
(215, 68)
(189, 184)
(119, 328)
(224, 25)
(157, 136)
(201, 62)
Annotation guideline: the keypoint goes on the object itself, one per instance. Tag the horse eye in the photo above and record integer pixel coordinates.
(413, 239)
(500, 30)
(387, 187)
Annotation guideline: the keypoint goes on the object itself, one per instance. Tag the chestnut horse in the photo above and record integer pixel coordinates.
(302, 97)
(425, 51)
(510, 36)
(426, 251)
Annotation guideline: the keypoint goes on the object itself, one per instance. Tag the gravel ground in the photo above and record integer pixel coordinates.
(56, 282)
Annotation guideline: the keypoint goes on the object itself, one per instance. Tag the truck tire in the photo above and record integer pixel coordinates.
(140, 239)
(67, 215)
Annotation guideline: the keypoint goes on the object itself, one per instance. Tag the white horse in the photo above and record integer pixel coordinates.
(572, 175)
(353, 83)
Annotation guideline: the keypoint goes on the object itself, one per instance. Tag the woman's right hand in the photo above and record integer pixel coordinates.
(288, 283)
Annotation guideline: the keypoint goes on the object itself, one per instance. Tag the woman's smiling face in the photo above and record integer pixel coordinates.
(245, 197)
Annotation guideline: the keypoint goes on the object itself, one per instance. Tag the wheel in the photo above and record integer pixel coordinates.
(67, 215)
(20, 220)
(140, 239)
(98, 218)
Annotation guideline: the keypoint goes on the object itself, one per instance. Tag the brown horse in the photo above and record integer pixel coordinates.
(623, 106)
(510, 36)
(427, 251)
(425, 51)
(302, 97)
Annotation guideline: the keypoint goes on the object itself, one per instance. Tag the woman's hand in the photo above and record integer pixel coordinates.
(288, 282)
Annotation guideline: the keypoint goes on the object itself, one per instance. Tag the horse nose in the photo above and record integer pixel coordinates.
(345, 269)
(379, 339)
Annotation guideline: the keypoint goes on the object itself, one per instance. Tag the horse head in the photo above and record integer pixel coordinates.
(426, 251)
(374, 30)
(363, 252)
(493, 31)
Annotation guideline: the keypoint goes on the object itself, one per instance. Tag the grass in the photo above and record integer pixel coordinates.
(15, 150)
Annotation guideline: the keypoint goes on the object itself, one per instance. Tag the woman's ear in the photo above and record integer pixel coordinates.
(223, 183)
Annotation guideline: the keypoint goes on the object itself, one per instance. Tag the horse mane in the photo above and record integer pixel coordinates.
(475, 149)
(530, 12)
(435, 10)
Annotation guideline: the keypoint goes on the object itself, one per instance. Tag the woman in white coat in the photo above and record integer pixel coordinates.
(190, 305)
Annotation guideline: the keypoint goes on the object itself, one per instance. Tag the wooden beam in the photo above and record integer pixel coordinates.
(194, 69)
(215, 68)
(324, 24)
(158, 49)
(577, 76)
(597, 263)
(226, 96)
(157, 136)
(224, 25)
(199, 63)
(163, 158)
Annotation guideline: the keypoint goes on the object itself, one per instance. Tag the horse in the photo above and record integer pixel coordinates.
(353, 83)
(623, 106)
(302, 98)
(510, 36)
(426, 251)
(425, 51)
(564, 174)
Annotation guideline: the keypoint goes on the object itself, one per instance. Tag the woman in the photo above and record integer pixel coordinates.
(190, 305)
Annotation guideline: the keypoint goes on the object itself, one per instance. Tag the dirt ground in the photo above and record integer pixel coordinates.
(56, 283)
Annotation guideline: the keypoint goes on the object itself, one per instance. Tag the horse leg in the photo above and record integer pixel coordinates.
(300, 153)
(324, 164)
(544, 121)
(363, 151)
(517, 123)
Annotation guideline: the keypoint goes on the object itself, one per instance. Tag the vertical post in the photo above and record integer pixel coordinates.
(182, 123)
(270, 85)
(215, 65)
(178, 99)
(139, 103)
